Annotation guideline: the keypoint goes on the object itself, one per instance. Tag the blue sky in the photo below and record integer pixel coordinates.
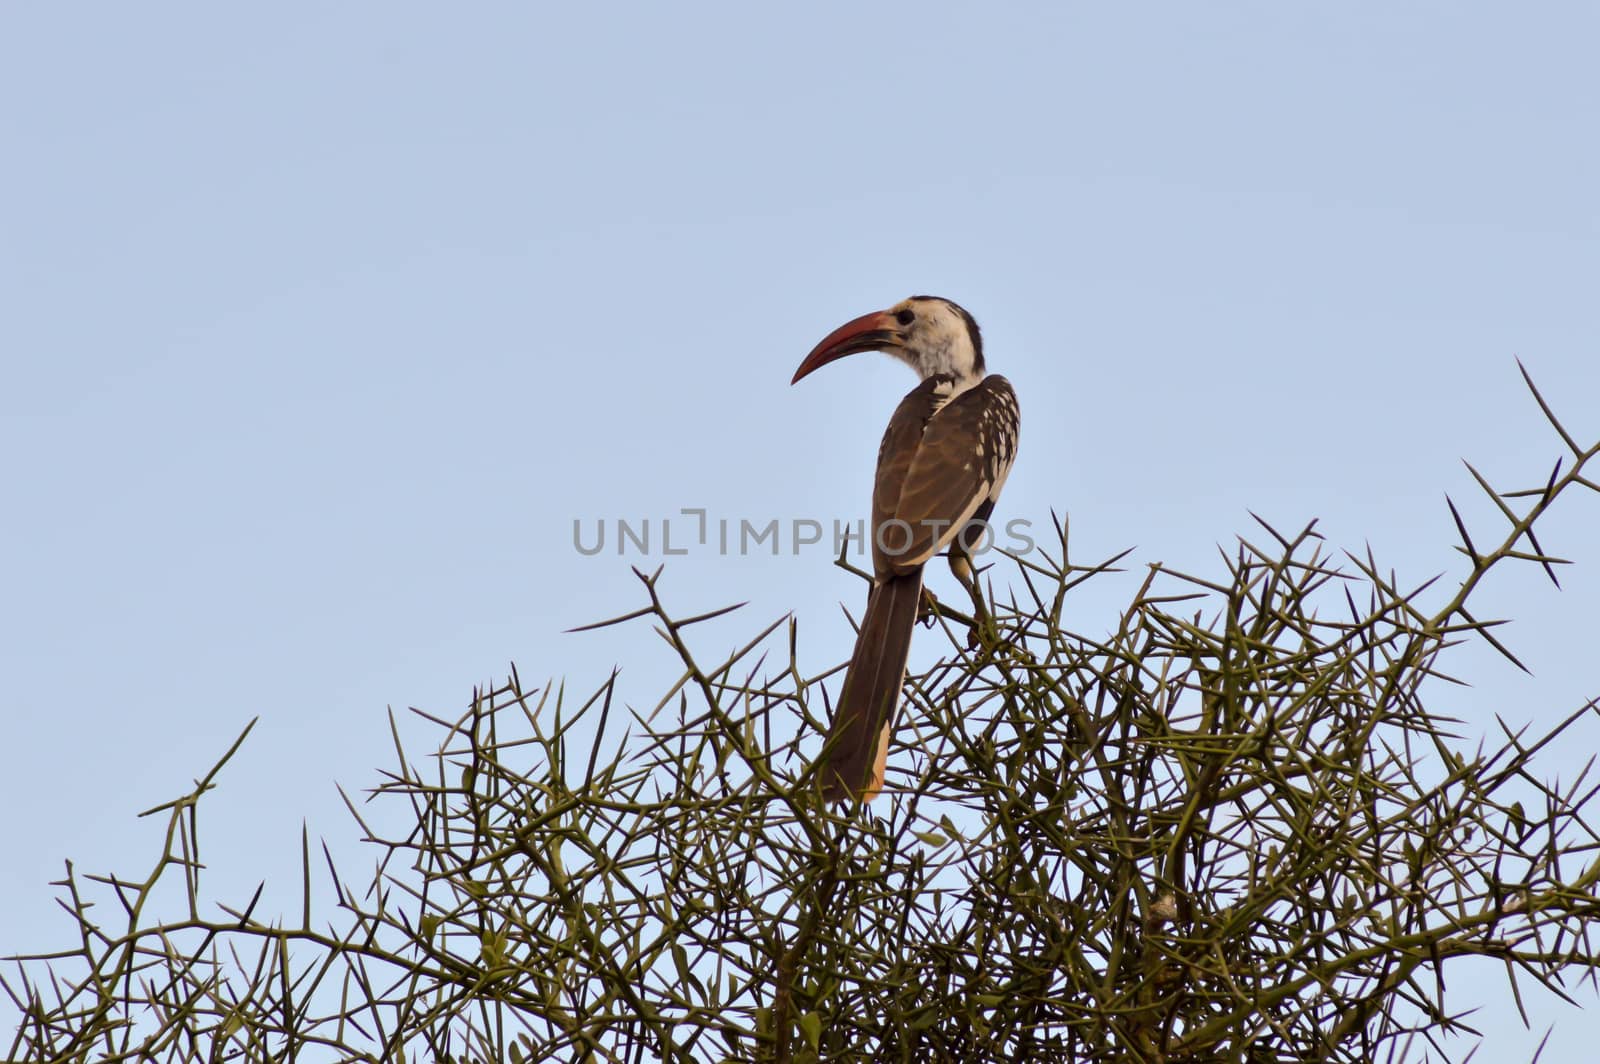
(320, 325)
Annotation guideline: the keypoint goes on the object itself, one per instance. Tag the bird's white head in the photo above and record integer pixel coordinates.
(929, 334)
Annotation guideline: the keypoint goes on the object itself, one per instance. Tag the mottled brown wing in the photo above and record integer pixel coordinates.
(960, 464)
(901, 441)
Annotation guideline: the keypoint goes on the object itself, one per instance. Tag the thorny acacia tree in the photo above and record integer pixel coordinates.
(1230, 830)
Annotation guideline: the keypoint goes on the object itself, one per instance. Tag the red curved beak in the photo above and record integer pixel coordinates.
(870, 332)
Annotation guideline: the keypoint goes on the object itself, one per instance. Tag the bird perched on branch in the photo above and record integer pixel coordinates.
(942, 463)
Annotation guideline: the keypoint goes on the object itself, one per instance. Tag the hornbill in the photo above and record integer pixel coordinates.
(942, 463)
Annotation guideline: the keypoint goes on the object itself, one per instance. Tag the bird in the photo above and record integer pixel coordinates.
(944, 457)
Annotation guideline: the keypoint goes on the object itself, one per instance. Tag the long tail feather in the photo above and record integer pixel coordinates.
(858, 737)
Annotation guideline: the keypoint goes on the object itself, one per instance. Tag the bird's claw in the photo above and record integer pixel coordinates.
(984, 633)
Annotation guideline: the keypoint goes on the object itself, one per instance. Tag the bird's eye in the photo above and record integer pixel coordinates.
(905, 317)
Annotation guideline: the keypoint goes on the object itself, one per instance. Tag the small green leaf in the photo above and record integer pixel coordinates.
(680, 957)
(811, 1028)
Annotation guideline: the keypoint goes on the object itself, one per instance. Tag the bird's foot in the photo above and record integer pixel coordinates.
(928, 609)
(984, 633)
